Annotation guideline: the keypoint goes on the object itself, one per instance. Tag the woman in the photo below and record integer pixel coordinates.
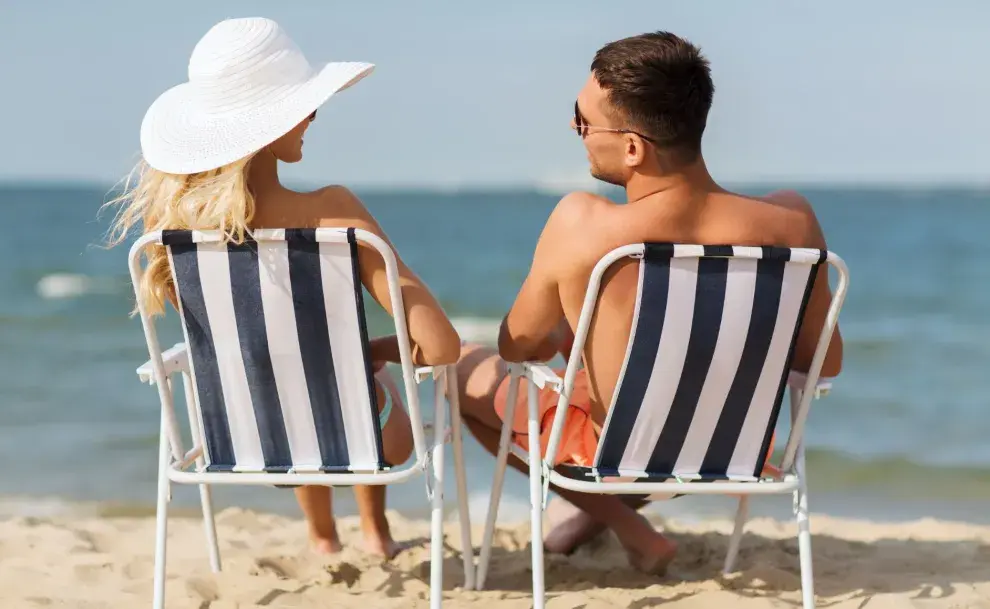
(211, 149)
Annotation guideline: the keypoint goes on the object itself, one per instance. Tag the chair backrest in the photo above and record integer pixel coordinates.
(712, 341)
(278, 347)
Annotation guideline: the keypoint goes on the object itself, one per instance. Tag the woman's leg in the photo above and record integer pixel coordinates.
(480, 372)
(397, 444)
(317, 505)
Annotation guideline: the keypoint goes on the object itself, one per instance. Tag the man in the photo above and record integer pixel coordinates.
(641, 116)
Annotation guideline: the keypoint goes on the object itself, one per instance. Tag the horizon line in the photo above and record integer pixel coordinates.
(542, 188)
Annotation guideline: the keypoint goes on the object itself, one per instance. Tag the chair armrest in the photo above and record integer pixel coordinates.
(796, 380)
(424, 372)
(175, 359)
(541, 375)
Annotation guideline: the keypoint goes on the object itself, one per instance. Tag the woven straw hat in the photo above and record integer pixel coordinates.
(249, 84)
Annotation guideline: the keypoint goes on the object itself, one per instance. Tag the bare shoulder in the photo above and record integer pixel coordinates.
(571, 228)
(575, 209)
(797, 217)
(574, 216)
(789, 199)
(338, 206)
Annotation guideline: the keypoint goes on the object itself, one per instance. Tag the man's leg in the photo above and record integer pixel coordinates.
(572, 527)
(479, 373)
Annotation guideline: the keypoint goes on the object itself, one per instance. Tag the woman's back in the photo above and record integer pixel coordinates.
(433, 337)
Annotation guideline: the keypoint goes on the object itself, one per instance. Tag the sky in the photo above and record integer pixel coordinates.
(471, 94)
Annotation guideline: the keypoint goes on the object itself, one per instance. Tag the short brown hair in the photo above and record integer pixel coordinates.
(661, 85)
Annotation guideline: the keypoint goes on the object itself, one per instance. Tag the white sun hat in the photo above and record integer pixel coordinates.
(249, 84)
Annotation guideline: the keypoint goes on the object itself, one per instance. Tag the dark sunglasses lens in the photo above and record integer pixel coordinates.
(578, 121)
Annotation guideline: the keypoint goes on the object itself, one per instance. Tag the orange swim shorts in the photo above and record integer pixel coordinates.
(579, 440)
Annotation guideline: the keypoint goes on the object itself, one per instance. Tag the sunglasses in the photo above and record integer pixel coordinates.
(582, 127)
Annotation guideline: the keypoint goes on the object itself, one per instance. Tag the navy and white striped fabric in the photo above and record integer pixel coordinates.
(712, 340)
(278, 347)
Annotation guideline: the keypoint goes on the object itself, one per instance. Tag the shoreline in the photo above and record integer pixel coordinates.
(107, 562)
(878, 509)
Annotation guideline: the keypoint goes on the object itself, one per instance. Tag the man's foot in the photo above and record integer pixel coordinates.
(325, 544)
(653, 555)
(381, 545)
(572, 527)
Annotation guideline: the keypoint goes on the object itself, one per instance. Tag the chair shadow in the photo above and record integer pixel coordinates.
(765, 568)
(453, 572)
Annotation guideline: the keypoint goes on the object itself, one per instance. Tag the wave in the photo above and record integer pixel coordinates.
(477, 329)
(58, 286)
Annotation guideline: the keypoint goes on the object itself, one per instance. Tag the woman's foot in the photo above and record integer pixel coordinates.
(317, 504)
(380, 544)
(325, 544)
(374, 525)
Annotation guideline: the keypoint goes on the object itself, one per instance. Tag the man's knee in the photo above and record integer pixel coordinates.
(476, 365)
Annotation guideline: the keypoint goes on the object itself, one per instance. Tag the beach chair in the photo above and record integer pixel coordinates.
(700, 390)
(277, 379)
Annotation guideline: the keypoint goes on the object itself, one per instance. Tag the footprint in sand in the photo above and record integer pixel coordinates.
(204, 589)
(282, 567)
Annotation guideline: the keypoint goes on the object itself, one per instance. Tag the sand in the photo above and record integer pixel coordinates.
(88, 563)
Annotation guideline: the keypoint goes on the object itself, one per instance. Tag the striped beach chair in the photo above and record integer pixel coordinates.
(700, 390)
(277, 380)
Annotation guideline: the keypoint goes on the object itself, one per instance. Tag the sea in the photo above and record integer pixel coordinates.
(905, 433)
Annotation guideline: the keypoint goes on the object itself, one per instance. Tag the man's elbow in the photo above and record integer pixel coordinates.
(508, 347)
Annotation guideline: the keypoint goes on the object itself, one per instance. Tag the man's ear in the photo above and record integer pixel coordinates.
(635, 151)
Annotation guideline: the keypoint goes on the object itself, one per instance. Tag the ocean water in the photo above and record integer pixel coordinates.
(904, 433)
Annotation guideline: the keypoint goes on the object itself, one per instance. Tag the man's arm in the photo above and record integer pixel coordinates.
(527, 332)
(535, 328)
(821, 294)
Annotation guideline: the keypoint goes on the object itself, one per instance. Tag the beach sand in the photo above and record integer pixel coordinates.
(93, 562)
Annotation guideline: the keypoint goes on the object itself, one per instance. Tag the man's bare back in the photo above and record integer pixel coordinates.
(584, 227)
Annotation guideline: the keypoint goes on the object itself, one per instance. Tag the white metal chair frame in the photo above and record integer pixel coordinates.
(176, 465)
(803, 387)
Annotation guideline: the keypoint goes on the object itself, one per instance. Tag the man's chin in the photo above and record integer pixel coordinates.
(608, 179)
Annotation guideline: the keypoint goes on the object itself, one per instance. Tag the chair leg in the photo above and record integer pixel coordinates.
(464, 515)
(209, 524)
(742, 514)
(436, 524)
(804, 535)
(496, 491)
(536, 496)
(205, 498)
(161, 519)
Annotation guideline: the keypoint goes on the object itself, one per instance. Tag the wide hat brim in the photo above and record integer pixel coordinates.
(180, 135)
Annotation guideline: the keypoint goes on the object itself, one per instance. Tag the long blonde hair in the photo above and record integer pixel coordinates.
(218, 199)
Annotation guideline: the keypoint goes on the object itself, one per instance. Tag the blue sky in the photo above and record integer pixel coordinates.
(471, 94)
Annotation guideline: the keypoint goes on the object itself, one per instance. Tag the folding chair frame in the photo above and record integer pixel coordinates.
(803, 388)
(175, 465)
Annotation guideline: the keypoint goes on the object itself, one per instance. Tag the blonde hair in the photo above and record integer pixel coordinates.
(218, 199)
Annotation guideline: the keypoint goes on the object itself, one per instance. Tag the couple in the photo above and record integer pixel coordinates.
(211, 149)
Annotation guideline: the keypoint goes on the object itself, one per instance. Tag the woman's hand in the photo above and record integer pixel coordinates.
(384, 349)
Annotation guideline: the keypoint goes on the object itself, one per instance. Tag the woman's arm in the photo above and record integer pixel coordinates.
(433, 338)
